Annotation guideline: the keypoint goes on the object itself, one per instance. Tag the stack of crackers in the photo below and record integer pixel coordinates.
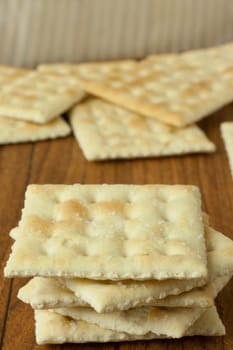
(129, 109)
(119, 262)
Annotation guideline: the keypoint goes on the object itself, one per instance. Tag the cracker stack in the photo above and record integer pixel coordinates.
(119, 262)
(31, 102)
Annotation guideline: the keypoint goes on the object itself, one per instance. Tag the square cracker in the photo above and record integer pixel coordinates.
(110, 232)
(107, 131)
(106, 296)
(13, 130)
(227, 135)
(177, 89)
(39, 97)
(49, 293)
(52, 328)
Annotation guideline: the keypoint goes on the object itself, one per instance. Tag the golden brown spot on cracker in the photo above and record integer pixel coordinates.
(71, 209)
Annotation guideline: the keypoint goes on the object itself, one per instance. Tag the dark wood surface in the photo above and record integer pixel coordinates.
(61, 161)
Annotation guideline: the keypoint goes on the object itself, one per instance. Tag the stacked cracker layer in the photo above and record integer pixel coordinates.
(119, 262)
(128, 109)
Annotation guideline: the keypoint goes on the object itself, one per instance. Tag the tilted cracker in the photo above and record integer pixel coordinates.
(106, 131)
(106, 296)
(177, 90)
(169, 322)
(52, 328)
(14, 131)
(110, 232)
(47, 293)
(39, 97)
(227, 135)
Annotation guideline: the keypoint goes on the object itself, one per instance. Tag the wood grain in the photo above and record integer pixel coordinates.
(61, 161)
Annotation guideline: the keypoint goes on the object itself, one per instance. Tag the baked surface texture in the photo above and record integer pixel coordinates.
(52, 328)
(177, 89)
(39, 97)
(110, 232)
(15, 130)
(107, 131)
(107, 296)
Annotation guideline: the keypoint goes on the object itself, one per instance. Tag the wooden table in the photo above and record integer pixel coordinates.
(61, 161)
